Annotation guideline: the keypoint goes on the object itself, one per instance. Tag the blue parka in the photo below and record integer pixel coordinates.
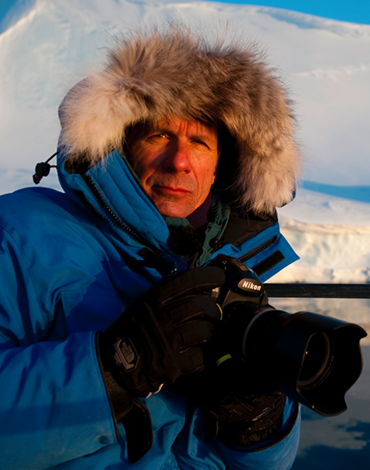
(64, 276)
(71, 262)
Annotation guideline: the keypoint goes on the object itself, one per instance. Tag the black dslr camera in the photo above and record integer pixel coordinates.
(312, 358)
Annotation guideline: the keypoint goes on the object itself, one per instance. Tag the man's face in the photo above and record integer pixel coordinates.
(176, 163)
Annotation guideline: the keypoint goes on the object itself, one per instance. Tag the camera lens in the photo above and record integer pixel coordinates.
(316, 363)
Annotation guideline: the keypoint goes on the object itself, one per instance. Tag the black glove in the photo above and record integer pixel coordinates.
(161, 336)
(240, 408)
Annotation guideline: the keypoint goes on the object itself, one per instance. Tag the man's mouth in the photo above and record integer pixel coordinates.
(170, 190)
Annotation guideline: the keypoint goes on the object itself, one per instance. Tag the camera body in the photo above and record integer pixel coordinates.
(312, 358)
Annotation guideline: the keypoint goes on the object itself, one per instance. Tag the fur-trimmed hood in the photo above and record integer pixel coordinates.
(175, 73)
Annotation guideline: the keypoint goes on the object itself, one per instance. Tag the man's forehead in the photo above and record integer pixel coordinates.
(183, 124)
(176, 125)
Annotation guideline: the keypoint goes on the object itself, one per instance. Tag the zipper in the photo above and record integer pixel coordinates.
(150, 254)
(118, 222)
(257, 250)
(114, 218)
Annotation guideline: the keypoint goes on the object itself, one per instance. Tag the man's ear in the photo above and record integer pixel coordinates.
(214, 176)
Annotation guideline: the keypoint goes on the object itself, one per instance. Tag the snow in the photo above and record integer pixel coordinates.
(48, 45)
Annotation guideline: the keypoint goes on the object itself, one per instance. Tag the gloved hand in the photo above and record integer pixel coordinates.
(240, 408)
(161, 336)
(241, 404)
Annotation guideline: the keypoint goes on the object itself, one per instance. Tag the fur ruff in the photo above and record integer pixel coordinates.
(173, 73)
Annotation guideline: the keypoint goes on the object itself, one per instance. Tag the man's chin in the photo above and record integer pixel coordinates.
(178, 214)
(174, 210)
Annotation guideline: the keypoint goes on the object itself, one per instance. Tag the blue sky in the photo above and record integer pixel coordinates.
(355, 11)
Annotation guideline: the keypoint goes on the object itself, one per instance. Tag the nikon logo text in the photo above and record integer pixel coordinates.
(250, 285)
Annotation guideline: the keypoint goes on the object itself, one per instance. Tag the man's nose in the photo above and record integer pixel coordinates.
(177, 159)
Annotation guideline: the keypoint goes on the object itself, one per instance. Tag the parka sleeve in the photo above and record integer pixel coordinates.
(53, 403)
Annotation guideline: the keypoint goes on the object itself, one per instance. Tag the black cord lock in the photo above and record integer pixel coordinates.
(43, 169)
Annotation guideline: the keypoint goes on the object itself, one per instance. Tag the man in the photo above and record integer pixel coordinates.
(176, 152)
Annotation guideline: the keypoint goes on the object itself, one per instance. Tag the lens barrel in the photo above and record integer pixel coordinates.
(311, 358)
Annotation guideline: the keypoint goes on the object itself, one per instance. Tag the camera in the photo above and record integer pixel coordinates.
(312, 358)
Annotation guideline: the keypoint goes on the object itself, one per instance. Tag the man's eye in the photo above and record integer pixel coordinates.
(201, 142)
(158, 137)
